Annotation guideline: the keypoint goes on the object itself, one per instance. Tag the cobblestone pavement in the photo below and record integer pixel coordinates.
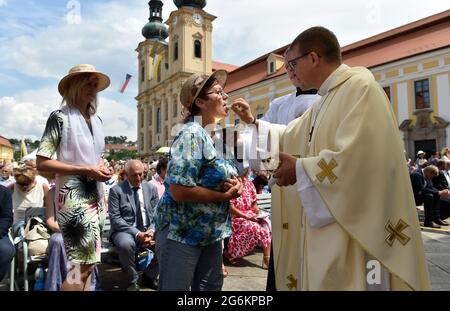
(249, 276)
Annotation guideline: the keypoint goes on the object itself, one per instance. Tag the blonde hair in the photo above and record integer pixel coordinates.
(24, 174)
(72, 93)
(444, 151)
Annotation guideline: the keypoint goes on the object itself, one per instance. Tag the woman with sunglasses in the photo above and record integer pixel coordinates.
(193, 215)
(27, 191)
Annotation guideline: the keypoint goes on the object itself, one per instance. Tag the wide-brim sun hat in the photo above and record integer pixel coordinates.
(103, 80)
(195, 83)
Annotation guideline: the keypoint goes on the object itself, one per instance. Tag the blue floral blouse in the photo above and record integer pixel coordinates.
(194, 161)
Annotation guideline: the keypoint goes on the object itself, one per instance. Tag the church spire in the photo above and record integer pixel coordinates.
(155, 29)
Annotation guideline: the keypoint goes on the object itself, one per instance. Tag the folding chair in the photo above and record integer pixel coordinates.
(19, 240)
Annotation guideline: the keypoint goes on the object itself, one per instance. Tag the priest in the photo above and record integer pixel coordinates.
(341, 221)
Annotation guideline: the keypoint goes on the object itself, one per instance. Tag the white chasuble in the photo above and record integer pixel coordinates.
(353, 224)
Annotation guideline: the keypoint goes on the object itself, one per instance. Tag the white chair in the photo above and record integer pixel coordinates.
(264, 202)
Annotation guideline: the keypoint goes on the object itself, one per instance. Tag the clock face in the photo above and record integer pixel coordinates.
(198, 19)
(174, 21)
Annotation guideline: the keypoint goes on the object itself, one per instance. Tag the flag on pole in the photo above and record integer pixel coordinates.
(124, 85)
(23, 149)
(156, 63)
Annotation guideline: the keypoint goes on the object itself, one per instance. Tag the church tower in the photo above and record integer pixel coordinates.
(164, 66)
(190, 37)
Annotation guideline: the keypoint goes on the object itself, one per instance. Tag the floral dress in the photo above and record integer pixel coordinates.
(246, 234)
(79, 201)
(194, 161)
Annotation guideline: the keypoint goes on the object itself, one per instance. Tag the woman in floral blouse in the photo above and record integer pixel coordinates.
(193, 216)
(71, 147)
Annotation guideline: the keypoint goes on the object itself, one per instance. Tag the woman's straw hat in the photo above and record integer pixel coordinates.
(103, 80)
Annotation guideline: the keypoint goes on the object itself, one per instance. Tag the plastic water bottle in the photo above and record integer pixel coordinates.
(39, 276)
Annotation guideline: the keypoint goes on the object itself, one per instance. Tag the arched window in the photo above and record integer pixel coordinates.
(175, 51)
(197, 49)
(142, 73)
(158, 120)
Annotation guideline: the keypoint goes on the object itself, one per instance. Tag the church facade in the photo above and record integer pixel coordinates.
(164, 65)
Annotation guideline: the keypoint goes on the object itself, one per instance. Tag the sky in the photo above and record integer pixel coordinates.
(40, 40)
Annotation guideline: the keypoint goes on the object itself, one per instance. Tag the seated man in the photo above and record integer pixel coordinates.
(425, 193)
(441, 182)
(131, 208)
(6, 177)
(7, 250)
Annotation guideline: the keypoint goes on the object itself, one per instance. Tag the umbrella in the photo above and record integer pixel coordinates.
(163, 150)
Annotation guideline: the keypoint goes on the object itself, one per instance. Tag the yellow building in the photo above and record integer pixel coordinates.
(412, 64)
(165, 65)
(6, 151)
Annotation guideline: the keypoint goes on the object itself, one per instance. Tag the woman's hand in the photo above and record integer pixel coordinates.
(236, 188)
(243, 110)
(98, 174)
(253, 218)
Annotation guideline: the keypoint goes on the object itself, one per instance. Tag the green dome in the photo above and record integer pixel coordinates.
(155, 30)
(193, 3)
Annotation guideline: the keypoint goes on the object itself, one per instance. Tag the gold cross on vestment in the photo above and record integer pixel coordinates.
(292, 282)
(396, 232)
(327, 170)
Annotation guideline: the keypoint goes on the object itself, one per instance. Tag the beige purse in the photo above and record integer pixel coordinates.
(37, 236)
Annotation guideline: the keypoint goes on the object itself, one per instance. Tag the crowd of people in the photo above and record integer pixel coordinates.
(430, 181)
(141, 199)
(200, 205)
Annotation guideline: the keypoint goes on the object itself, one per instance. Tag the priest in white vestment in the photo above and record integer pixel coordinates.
(341, 221)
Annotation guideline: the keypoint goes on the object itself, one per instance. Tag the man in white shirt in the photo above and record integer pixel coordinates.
(6, 177)
(283, 110)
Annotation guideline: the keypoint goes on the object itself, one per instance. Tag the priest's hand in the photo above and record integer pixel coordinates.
(243, 110)
(286, 174)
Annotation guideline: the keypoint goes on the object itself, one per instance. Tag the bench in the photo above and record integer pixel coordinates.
(264, 202)
(108, 253)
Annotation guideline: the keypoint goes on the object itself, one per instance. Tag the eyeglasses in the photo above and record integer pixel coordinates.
(293, 62)
(220, 93)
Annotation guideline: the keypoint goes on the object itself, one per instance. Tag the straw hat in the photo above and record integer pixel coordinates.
(103, 80)
(194, 85)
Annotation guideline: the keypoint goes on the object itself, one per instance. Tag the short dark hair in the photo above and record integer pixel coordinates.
(320, 40)
(162, 164)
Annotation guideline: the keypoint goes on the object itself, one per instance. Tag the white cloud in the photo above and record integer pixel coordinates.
(106, 38)
(26, 115)
(118, 118)
(3, 3)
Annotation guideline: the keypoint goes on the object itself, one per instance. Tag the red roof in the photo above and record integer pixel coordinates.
(418, 37)
(253, 72)
(5, 142)
(227, 67)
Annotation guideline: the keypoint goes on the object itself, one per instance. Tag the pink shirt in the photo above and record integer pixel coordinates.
(159, 183)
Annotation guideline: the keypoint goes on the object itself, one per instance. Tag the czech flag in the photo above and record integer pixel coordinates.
(124, 86)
